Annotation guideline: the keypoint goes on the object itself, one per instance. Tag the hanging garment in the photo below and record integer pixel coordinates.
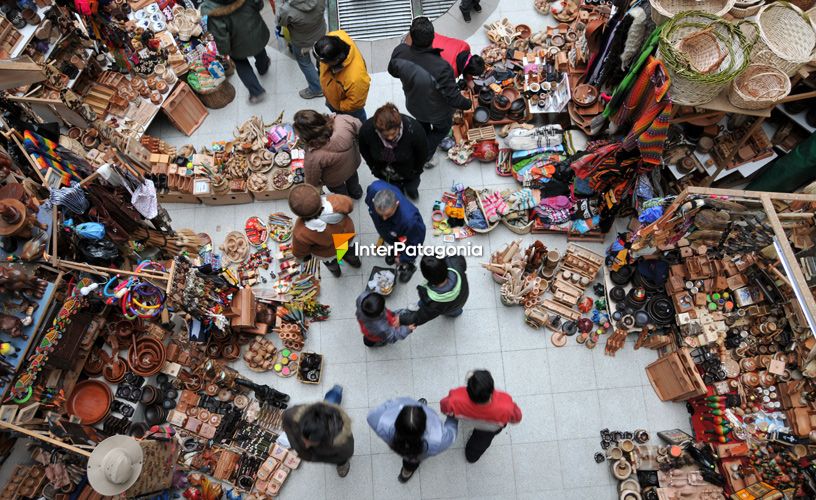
(621, 91)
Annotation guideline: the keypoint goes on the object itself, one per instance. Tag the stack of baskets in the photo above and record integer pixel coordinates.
(786, 37)
(663, 10)
(760, 86)
(703, 53)
(746, 8)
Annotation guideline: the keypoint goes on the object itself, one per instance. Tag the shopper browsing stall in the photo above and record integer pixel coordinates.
(321, 432)
(332, 152)
(380, 326)
(396, 219)
(457, 53)
(431, 94)
(305, 22)
(394, 147)
(412, 430)
(318, 219)
(240, 33)
(343, 74)
(490, 409)
(445, 292)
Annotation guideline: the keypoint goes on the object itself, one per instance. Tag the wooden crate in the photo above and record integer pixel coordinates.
(175, 197)
(184, 110)
(227, 199)
(277, 194)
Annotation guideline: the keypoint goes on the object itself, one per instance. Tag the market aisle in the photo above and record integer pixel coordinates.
(567, 394)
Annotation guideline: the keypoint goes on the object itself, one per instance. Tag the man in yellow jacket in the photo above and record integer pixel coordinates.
(343, 74)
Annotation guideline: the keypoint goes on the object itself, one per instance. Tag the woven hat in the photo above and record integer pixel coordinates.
(115, 465)
(304, 201)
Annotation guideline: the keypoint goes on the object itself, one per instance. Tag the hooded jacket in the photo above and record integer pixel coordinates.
(237, 26)
(305, 21)
(409, 155)
(406, 221)
(438, 436)
(454, 51)
(381, 328)
(431, 93)
(306, 241)
(341, 448)
(333, 163)
(434, 302)
(346, 90)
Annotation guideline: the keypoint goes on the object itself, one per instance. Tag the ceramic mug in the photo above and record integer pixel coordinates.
(140, 14)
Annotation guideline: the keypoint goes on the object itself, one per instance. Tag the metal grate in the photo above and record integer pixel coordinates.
(374, 19)
(435, 8)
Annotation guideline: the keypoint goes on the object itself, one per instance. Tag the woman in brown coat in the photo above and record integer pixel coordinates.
(332, 151)
(319, 218)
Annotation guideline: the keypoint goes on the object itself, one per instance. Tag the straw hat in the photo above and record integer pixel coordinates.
(115, 465)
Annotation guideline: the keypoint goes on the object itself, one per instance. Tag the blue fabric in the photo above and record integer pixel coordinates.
(438, 436)
(307, 67)
(406, 221)
(91, 231)
(650, 215)
(335, 395)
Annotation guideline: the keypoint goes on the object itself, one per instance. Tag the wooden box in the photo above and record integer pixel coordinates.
(675, 378)
(227, 199)
(176, 197)
(243, 309)
(184, 110)
(277, 194)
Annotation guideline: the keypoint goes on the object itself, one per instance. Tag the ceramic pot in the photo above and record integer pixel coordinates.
(486, 97)
(31, 17)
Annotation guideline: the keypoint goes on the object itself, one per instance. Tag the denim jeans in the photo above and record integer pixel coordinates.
(307, 67)
(247, 74)
(334, 396)
(360, 114)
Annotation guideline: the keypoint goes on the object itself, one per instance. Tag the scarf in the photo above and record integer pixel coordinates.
(326, 217)
(389, 156)
(648, 101)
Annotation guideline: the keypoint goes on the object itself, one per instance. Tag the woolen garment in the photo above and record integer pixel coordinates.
(406, 222)
(380, 329)
(305, 21)
(409, 154)
(496, 413)
(456, 52)
(438, 436)
(346, 90)
(434, 301)
(320, 243)
(237, 26)
(431, 93)
(338, 452)
(333, 163)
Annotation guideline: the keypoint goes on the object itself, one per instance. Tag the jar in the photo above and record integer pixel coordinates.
(156, 97)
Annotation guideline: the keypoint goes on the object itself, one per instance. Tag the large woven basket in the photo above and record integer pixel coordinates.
(703, 53)
(786, 37)
(743, 12)
(218, 97)
(663, 10)
(759, 86)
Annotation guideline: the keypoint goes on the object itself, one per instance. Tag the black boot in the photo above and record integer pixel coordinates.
(333, 267)
(353, 260)
(390, 259)
(405, 272)
(477, 7)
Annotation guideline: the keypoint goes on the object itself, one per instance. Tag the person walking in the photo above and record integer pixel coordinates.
(445, 292)
(321, 432)
(396, 219)
(431, 93)
(380, 326)
(489, 409)
(343, 74)
(320, 217)
(413, 431)
(306, 23)
(466, 6)
(240, 32)
(332, 151)
(394, 146)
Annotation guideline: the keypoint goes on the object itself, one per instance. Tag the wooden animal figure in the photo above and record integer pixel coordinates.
(11, 325)
(19, 284)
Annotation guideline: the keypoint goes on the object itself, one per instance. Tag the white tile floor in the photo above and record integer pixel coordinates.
(567, 394)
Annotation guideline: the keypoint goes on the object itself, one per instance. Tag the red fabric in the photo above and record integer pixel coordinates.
(500, 410)
(451, 47)
(389, 315)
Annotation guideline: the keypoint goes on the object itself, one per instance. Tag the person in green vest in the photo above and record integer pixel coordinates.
(444, 293)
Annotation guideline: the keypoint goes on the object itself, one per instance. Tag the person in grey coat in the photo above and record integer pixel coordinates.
(306, 23)
(412, 430)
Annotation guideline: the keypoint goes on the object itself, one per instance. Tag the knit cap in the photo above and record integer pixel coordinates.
(304, 201)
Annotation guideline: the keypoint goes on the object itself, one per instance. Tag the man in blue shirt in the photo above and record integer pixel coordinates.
(396, 219)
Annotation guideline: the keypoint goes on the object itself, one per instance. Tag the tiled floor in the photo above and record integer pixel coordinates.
(567, 394)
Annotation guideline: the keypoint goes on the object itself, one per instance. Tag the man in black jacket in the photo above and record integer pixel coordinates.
(431, 93)
(444, 294)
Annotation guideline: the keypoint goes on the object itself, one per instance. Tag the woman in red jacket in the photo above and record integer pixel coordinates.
(457, 53)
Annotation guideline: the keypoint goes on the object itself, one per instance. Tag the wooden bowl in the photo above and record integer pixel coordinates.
(90, 401)
(146, 356)
(524, 31)
(585, 95)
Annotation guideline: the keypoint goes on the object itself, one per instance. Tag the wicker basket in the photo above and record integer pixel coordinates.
(786, 37)
(518, 229)
(219, 97)
(759, 87)
(743, 12)
(703, 53)
(663, 10)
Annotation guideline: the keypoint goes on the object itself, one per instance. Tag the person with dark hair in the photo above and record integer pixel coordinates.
(321, 432)
(332, 151)
(305, 22)
(343, 74)
(380, 325)
(413, 431)
(457, 53)
(396, 219)
(431, 93)
(466, 6)
(240, 32)
(445, 292)
(489, 409)
(394, 147)
(319, 218)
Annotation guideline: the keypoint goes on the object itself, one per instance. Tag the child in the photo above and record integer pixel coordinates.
(379, 325)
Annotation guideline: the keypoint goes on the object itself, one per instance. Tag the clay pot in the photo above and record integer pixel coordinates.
(481, 116)
(74, 133)
(31, 17)
(486, 97)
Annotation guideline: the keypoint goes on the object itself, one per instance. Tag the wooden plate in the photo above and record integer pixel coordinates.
(90, 401)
